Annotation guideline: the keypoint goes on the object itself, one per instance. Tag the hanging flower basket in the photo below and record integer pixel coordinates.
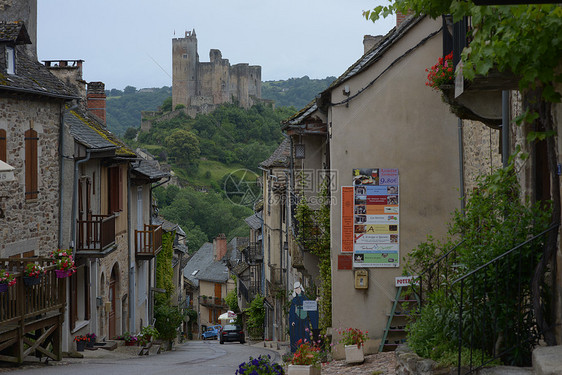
(6, 279)
(31, 280)
(61, 274)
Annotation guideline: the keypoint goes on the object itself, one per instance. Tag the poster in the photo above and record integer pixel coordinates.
(376, 213)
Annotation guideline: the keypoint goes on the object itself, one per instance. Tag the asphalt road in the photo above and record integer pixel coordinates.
(193, 357)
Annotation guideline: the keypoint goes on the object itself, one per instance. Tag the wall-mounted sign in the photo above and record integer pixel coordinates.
(405, 281)
(309, 305)
(375, 212)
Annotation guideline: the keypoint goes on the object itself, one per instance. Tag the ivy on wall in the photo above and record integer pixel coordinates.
(164, 269)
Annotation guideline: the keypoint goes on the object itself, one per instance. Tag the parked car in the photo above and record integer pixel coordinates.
(212, 332)
(232, 332)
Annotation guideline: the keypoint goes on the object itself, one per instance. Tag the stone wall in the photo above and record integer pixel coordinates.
(30, 225)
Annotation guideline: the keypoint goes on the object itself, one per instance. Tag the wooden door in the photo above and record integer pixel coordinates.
(112, 300)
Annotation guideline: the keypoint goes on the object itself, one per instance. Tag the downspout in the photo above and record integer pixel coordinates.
(61, 169)
(132, 300)
(151, 272)
(505, 128)
(75, 202)
(461, 164)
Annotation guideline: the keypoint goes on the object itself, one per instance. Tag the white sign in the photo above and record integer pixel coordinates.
(309, 305)
(405, 281)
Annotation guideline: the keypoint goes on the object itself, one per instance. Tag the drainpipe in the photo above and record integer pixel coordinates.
(75, 202)
(61, 168)
(131, 264)
(461, 164)
(505, 128)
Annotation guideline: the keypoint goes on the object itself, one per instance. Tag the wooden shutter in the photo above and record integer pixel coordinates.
(3, 145)
(87, 293)
(115, 189)
(31, 186)
(73, 313)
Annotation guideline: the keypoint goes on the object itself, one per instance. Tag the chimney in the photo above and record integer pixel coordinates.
(369, 41)
(219, 247)
(95, 98)
(400, 17)
(70, 72)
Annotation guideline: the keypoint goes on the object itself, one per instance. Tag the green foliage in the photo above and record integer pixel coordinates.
(168, 320)
(164, 269)
(295, 92)
(124, 109)
(314, 236)
(202, 215)
(255, 317)
(183, 145)
(496, 219)
(522, 39)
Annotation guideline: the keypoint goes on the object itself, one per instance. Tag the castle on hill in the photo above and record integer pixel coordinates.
(202, 86)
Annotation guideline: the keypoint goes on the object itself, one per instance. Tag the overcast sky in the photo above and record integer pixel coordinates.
(129, 42)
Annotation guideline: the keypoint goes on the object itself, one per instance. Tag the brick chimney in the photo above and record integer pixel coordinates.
(70, 72)
(219, 247)
(400, 17)
(369, 42)
(95, 98)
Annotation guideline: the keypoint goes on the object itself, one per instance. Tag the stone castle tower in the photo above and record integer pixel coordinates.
(202, 86)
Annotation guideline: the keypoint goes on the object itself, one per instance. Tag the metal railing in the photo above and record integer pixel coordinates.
(148, 242)
(495, 314)
(96, 234)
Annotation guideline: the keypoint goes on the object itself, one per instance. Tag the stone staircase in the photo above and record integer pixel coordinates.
(547, 360)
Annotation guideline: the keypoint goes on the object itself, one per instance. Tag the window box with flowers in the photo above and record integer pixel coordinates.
(306, 360)
(441, 75)
(64, 264)
(7, 279)
(33, 274)
(353, 340)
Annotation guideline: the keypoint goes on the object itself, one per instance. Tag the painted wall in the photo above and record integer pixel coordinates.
(398, 122)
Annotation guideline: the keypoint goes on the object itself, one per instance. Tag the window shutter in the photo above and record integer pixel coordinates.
(31, 187)
(3, 145)
(115, 189)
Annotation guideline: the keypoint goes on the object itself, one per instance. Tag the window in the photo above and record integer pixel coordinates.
(3, 145)
(115, 189)
(10, 60)
(31, 171)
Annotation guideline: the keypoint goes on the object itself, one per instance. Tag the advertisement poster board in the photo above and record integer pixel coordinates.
(376, 213)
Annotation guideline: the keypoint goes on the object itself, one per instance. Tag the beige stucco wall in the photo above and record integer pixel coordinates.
(396, 123)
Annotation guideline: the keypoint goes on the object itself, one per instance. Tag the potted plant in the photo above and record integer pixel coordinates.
(80, 343)
(305, 360)
(130, 339)
(32, 274)
(91, 340)
(147, 334)
(6, 279)
(353, 339)
(261, 365)
(441, 75)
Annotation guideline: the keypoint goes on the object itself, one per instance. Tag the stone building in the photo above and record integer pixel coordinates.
(202, 86)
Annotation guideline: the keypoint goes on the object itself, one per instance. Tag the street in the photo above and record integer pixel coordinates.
(193, 357)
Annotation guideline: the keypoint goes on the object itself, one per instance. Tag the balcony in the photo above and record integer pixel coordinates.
(213, 302)
(31, 316)
(148, 242)
(254, 253)
(96, 237)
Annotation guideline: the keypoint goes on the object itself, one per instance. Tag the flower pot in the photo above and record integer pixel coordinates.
(80, 345)
(304, 370)
(130, 343)
(353, 354)
(3, 288)
(61, 274)
(90, 343)
(31, 280)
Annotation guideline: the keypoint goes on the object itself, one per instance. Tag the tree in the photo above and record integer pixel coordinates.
(184, 146)
(129, 90)
(131, 133)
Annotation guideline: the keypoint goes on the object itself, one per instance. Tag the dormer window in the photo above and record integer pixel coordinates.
(10, 60)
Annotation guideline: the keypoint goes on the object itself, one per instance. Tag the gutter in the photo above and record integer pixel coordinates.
(130, 263)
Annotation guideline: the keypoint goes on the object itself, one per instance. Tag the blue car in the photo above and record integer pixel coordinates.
(212, 332)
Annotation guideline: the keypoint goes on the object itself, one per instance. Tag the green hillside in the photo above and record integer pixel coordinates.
(296, 92)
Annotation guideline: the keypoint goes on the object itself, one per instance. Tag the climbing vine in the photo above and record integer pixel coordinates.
(164, 269)
(314, 236)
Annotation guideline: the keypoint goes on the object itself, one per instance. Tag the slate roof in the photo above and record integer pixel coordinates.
(280, 157)
(93, 134)
(168, 226)
(207, 269)
(30, 76)
(150, 169)
(255, 221)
